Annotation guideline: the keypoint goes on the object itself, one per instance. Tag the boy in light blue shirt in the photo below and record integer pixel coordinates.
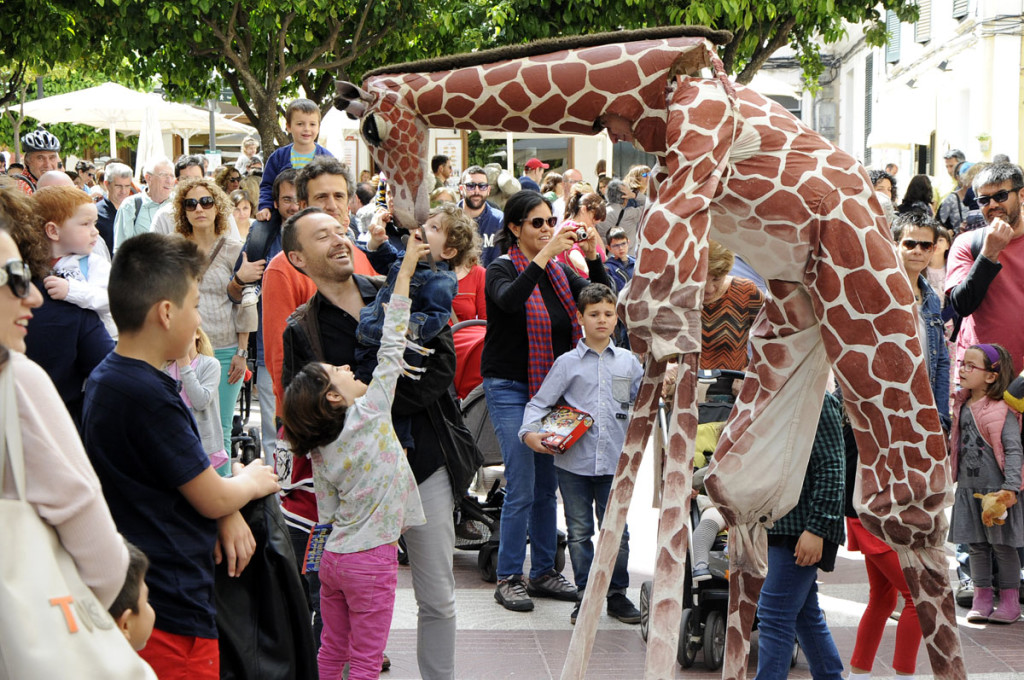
(601, 379)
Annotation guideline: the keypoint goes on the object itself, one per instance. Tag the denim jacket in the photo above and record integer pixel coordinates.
(935, 349)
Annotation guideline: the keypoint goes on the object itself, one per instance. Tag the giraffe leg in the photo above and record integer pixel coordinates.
(757, 471)
(865, 305)
(666, 606)
(640, 426)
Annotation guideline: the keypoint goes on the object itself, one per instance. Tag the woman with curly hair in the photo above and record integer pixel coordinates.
(201, 212)
(227, 178)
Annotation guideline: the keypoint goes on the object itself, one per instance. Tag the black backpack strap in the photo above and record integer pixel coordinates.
(138, 208)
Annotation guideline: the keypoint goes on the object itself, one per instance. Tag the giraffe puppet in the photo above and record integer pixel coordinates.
(803, 214)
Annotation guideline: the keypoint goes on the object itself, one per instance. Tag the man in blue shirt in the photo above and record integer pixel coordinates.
(600, 379)
(475, 189)
(533, 171)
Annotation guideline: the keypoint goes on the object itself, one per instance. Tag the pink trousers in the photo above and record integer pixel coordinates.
(357, 598)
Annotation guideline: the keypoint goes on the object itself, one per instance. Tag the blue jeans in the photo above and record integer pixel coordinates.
(788, 610)
(581, 497)
(531, 506)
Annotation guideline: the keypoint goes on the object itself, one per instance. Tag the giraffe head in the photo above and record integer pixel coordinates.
(397, 138)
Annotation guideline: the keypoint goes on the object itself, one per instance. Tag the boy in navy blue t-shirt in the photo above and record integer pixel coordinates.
(144, 443)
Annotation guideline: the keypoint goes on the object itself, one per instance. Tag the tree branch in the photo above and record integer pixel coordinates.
(368, 45)
(729, 52)
(317, 52)
(763, 52)
(14, 83)
(232, 79)
(276, 68)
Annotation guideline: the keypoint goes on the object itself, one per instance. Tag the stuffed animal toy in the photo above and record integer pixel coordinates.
(503, 184)
(994, 505)
(1014, 394)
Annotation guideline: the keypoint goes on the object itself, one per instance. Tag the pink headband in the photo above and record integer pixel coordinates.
(991, 352)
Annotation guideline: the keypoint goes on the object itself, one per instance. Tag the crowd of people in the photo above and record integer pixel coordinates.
(133, 316)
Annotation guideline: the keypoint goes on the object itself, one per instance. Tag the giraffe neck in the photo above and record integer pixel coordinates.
(560, 93)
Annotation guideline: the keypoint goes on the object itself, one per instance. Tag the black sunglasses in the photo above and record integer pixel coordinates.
(539, 222)
(473, 185)
(18, 277)
(998, 197)
(910, 244)
(193, 203)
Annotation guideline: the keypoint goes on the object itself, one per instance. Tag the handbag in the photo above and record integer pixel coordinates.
(52, 625)
(462, 457)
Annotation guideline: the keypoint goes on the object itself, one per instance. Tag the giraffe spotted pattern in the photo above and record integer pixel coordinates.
(803, 214)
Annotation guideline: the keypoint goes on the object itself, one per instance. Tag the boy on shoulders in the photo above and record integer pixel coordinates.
(601, 379)
(145, 445)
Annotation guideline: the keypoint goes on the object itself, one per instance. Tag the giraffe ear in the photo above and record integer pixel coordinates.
(350, 98)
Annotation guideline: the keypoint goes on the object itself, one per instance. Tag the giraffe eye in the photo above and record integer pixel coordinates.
(374, 129)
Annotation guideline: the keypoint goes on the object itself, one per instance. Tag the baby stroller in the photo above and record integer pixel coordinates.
(484, 517)
(246, 445)
(705, 603)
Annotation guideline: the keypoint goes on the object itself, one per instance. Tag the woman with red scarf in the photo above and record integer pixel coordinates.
(531, 319)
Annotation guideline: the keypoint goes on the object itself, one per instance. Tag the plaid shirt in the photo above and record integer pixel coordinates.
(820, 509)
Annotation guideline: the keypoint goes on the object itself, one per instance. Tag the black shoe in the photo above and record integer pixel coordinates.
(511, 594)
(619, 607)
(385, 663)
(964, 593)
(575, 612)
(553, 585)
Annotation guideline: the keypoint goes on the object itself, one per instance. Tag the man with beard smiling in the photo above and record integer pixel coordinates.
(324, 329)
(475, 189)
(987, 290)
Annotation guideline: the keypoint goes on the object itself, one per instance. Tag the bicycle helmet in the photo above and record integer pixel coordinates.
(39, 140)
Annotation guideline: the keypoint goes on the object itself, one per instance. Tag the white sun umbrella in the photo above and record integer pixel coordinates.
(151, 141)
(120, 109)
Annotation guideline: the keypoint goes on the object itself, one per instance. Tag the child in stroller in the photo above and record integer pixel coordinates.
(706, 584)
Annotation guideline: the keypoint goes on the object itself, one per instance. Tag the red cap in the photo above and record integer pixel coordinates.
(535, 163)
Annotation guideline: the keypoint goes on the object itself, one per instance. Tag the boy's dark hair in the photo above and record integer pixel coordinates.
(128, 598)
(300, 106)
(437, 161)
(289, 236)
(616, 234)
(186, 161)
(321, 165)
(914, 219)
(310, 420)
(149, 268)
(592, 294)
(1003, 370)
(286, 175)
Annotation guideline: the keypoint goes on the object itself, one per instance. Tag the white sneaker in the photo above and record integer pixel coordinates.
(249, 296)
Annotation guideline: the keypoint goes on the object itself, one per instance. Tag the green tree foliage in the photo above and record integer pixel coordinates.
(759, 27)
(264, 50)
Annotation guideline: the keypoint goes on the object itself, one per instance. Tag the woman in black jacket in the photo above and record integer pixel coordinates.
(531, 319)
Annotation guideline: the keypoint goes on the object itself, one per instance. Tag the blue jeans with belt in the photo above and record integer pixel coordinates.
(531, 507)
(788, 609)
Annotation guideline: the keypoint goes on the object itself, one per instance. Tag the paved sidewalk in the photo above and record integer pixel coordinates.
(495, 644)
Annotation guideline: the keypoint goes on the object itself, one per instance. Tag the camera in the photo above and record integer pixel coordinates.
(581, 234)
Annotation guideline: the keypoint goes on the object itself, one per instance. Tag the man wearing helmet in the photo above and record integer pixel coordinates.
(40, 149)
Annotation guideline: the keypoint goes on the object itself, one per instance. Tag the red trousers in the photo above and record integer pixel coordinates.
(177, 657)
(885, 579)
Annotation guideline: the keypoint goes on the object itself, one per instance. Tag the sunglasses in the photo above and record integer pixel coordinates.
(470, 186)
(910, 244)
(998, 197)
(18, 277)
(193, 203)
(539, 222)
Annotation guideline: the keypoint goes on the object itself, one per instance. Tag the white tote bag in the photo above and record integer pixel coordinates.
(51, 624)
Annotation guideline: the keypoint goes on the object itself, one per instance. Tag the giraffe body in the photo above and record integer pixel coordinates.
(803, 214)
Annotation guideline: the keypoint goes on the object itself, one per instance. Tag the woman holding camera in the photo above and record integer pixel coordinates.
(584, 210)
(531, 319)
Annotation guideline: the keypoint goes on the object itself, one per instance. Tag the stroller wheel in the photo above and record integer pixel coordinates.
(487, 561)
(689, 638)
(645, 608)
(714, 640)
